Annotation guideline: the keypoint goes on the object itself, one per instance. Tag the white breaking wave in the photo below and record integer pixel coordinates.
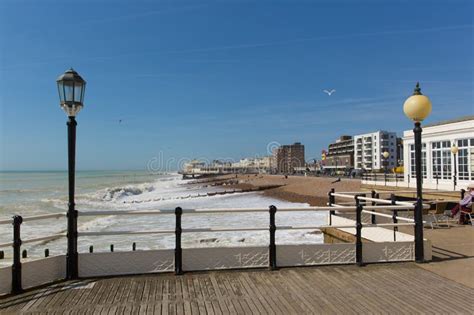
(168, 193)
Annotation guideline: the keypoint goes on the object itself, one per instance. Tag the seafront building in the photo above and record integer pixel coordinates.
(340, 154)
(437, 158)
(289, 157)
(369, 147)
(263, 164)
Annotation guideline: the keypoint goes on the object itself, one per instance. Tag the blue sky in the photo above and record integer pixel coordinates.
(222, 79)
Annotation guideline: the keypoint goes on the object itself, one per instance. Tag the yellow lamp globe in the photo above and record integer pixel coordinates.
(386, 154)
(454, 149)
(417, 107)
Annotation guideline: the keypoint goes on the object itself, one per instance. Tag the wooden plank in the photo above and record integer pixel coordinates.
(393, 288)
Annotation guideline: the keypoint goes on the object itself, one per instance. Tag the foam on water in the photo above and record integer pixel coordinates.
(167, 192)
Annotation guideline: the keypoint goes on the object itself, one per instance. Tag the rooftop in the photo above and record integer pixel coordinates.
(450, 121)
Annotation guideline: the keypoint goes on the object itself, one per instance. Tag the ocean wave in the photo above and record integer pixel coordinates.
(112, 194)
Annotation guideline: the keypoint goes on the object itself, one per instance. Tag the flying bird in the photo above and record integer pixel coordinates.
(336, 181)
(329, 92)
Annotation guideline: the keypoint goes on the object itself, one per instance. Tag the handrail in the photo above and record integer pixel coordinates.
(425, 206)
(44, 216)
(388, 224)
(207, 211)
(7, 221)
(388, 216)
(6, 244)
(395, 207)
(124, 233)
(36, 218)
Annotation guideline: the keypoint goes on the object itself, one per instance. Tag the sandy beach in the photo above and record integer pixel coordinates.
(311, 190)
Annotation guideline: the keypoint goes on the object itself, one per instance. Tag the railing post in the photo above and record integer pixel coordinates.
(16, 268)
(332, 201)
(463, 192)
(178, 252)
(372, 216)
(393, 198)
(358, 231)
(272, 248)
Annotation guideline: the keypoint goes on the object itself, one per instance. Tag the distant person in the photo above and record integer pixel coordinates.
(464, 205)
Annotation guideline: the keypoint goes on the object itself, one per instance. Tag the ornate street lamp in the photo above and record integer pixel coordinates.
(385, 156)
(71, 89)
(417, 107)
(454, 151)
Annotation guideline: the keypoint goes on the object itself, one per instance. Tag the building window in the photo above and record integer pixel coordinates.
(441, 159)
(465, 158)
(423, 161)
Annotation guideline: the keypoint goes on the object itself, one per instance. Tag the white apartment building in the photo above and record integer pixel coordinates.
(437, 158)
(369, 147)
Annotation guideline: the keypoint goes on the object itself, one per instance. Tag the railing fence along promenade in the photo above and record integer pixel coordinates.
(389, 179)
(380, 243)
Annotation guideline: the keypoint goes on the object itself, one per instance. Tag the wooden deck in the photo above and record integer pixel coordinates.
(388, 288)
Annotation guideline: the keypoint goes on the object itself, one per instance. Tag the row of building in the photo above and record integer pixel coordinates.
(441, 168)
(364, 152)
(284, 159)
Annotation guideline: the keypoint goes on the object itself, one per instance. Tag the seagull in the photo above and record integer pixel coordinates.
(336, 181)
(329, 92)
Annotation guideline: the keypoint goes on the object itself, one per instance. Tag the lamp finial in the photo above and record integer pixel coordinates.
(417, 90)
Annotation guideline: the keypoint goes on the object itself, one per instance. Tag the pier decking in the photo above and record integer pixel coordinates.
(388, 288)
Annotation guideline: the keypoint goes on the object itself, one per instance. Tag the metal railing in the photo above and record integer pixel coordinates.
(17, 242)
(361, 206)
(383, 177)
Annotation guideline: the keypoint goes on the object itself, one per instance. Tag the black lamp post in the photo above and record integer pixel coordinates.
(71, 89)
(417, 107)
(454, 151)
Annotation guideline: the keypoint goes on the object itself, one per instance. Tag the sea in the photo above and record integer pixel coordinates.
(35, 193)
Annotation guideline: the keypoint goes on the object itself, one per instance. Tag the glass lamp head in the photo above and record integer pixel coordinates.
(71, 88)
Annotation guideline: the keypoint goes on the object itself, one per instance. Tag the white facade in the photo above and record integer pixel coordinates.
(437, 159)
(369, 147)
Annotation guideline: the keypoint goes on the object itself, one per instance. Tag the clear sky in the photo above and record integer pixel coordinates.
(222, 79)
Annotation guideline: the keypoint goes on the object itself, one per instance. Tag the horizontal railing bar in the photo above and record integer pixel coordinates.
(289, 227)
(263, 210)
(395, 191)
(388, 224)
(353, 192)
(44, 238)
(396, 207)
(44, 216)
(6, 244)
(7, 221)
(36, 217)
(125, 233)
(338, 206)
(208, 211)
(343, 195)
(376, 200)
(385, 201)
(224, 229)
(388, 216)
(125, 212)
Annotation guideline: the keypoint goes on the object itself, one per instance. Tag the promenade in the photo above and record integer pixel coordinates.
(381, 289)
